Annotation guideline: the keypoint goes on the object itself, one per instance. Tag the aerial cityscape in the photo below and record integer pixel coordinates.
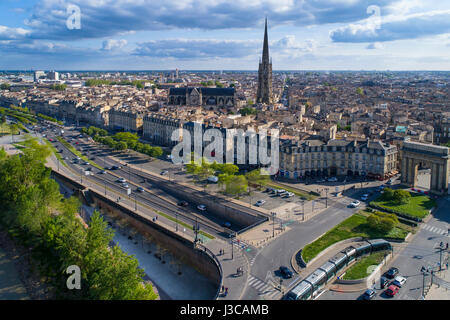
(197, 151)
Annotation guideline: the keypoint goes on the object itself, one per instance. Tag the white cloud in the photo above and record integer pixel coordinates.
(112, 44)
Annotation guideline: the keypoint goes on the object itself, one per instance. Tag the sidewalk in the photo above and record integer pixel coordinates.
(437, 292)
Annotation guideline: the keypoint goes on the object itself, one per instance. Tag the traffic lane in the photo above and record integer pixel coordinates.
(280, 251)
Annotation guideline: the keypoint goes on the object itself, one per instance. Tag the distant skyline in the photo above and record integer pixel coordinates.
(329, 35)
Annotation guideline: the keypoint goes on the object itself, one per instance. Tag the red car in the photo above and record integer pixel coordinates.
(392, 290)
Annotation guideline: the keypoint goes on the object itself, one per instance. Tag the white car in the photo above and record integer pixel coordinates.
(259, 203)
(332, 179)
(399, 281)
(365, 197)
(201, 207)
(122, 180)
(125, 185)
(355, 204)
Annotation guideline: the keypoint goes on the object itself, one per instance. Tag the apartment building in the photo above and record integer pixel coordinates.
(337, 157)
(158, 129)
(125, 119)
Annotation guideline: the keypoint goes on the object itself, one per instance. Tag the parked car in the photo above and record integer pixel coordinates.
(285, 272)
(183, 204)
(389, 182)
(140, 189)
(383, 282)
(368, 294)
(288, 195)
(213, 179)
(392, 290)
(399, 281)
(332, 179)
(227, 225)
(259, 203)
(269, 190)
(365, 197)
(164, 172)
(201, 207)
(355, 204)
(391, 273)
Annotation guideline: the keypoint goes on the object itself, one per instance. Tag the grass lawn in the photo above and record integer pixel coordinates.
(360, 269)
(418, 205)
(297, 192)
(78, 153)
(354, 226)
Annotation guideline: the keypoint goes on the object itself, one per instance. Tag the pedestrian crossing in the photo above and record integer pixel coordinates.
(437, 230)
(264, 289)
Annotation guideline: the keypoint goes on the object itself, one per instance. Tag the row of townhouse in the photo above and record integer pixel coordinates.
(337, 157)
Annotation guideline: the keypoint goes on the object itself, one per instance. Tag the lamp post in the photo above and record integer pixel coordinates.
(425, 272)
(176, 221)
(326, 199)
(135, 202)
(273, 223)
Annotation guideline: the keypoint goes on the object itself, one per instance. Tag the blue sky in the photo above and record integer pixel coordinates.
(223, 34)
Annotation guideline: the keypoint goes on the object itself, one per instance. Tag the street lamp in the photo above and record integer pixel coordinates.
(273, 223)
(176, 221)
(326, 199)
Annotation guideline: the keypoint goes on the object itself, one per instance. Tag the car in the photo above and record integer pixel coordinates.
(268, 190)
(399, 281)
(122, 180)
(392, 290)
(368, 294)
(125, 185)
(288, 195)
(285, 272)
(365, 197)
(76, 142)
(332, 179)
(383, 282)
(183, 204)
(50, 139)
(102, 172)
(355, 204)
(260, 203)
(66, 158)
(227, 225)
(391, 273)
(201, 207)
(85, 163)
(140, 189)
(89, 169)
(114, 168)
(389, 182)
(213, 179)
(92, 158)
(164, 172)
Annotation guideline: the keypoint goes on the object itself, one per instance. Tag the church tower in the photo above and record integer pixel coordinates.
(264, 93)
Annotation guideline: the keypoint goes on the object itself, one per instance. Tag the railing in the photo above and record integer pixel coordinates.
(219, 266)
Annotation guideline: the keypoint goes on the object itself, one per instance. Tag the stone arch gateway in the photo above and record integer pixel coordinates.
(437, 159)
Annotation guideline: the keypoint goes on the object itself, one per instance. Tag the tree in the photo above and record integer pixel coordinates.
(382, 222)
(156, 152)
(126, 137)
(5, 86)
(255, 177)
(236, 185)
(401, 196)
(360, 91)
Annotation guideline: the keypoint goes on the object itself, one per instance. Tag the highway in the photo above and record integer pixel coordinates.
(151, 197)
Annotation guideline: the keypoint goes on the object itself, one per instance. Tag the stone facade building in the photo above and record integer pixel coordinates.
(126, 120)
(158, 129)
(336, 158)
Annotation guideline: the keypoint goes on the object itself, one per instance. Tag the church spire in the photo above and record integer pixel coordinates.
(266, 45)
